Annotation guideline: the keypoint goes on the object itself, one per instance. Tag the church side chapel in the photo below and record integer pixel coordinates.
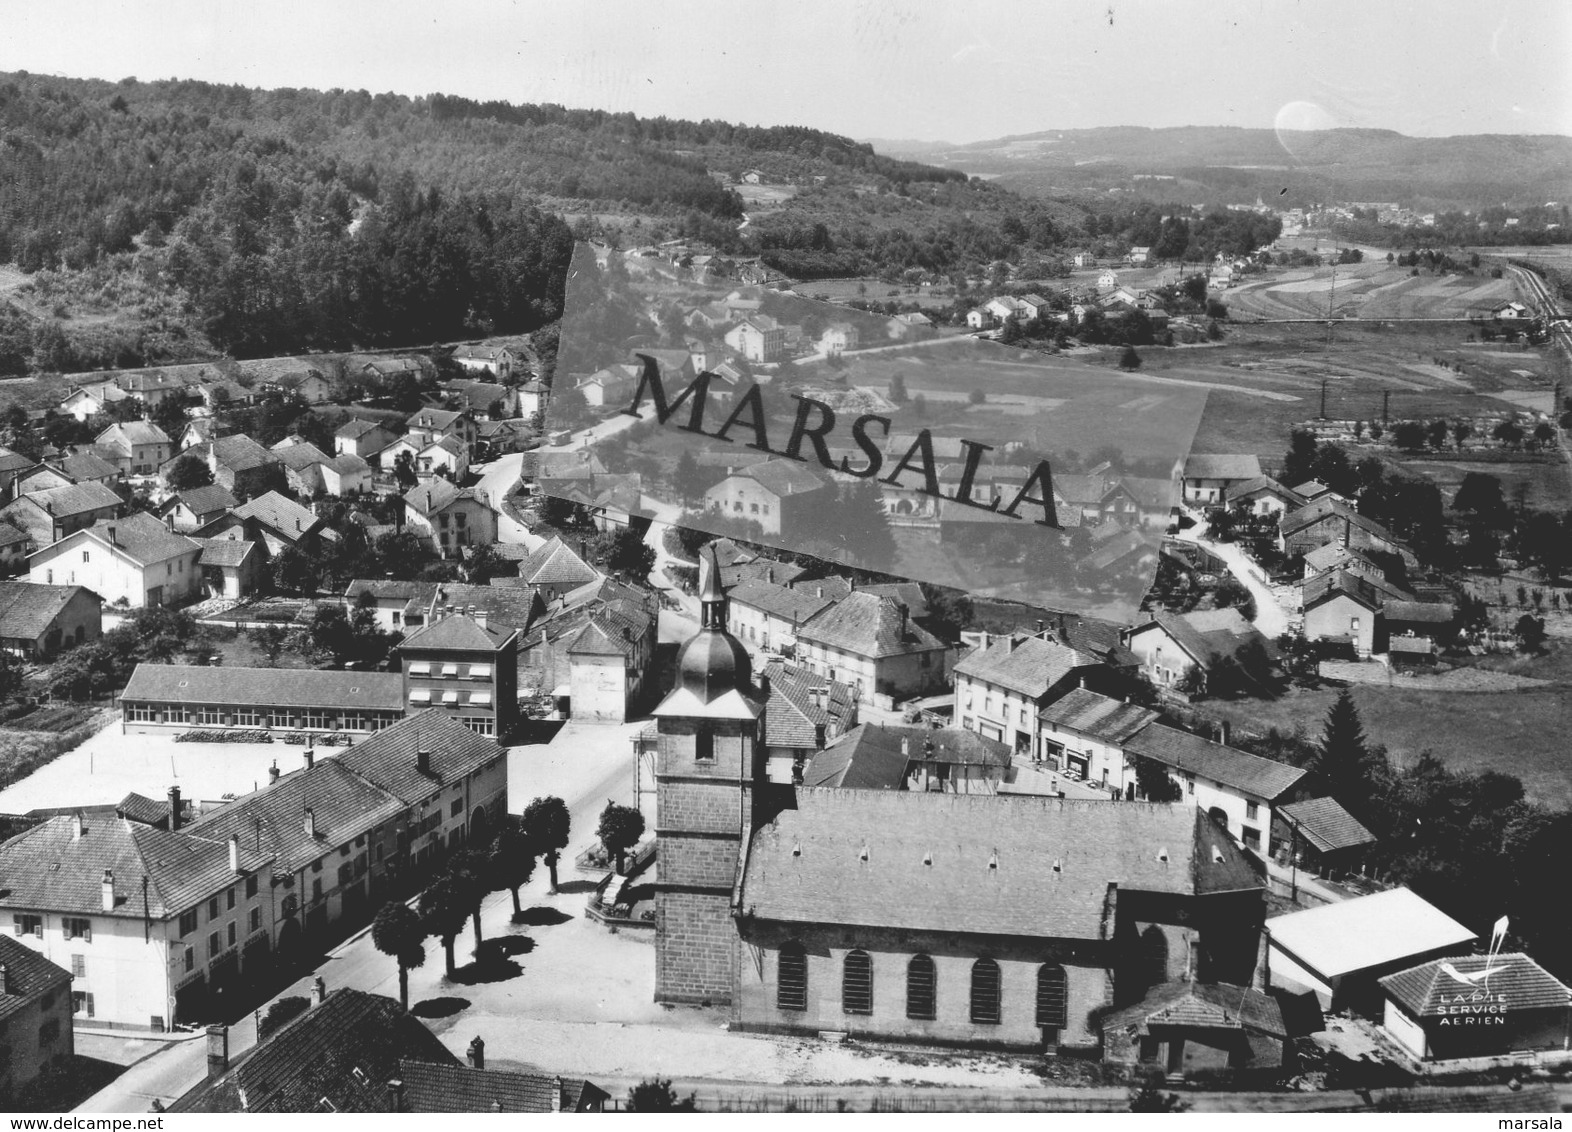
(980, 920)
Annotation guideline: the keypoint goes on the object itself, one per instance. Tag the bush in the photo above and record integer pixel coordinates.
(228, 735)
(280, 1014)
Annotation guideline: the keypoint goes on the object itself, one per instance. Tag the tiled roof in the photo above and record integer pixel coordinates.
(450, 444)
(561, 465)
(510, 607)
(555, 564)
(10, 534)
(224, 552)
(1222, 467)
(790, 603)
(74, 499)
(1265, 485)
(459, 1088)
(1029, 665)
(355, 429)
(457, 632)
(28, 976)
(301, 455)
(238, 453)
(832, 586)
(279, 512)
(979, 864)
(143, 538)
(206, 500)
(272, 820)
(347, 464)
(343, 1051)
(1425, 612)
(1209, 635)
(1370, 592)
(875, 756)
(81, 466)
(1366, 931)
(437, 419)
(429, 498)
(266, 687)
(50, 868)
(908, 594)
(1101, 717)
(1211, 1006)
(1335, 554)
(1191, 754)
(28, 609)
(613, 630)
(801, 702)
(1325, 507)
(1428, 990)
(1326, 825)
(388, 758)
(133, 432)
(783, 478)
(869, 626)
(390, 589)
(140, 808)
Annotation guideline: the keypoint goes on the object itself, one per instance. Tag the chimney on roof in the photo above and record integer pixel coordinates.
(110, 531)
(818, 591)
(49, 507)
(318, 991)
(109, 890)
(5, 980)
(311, 757)
(769, 574)
(174, 809)
(217, 1051)
(395, 1095)
(423, 760)
(480, 617)
(476, 1053)
(556, 1094)
(1041, 624)
(234, 854)
(902, 607)
(428, 499)
(1222, 732)
(272, 773)
(76, 826)
(311, 823)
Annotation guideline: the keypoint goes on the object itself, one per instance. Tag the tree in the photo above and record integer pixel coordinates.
(1481, 494)
(1342, 763)
(547, 824)
(949, 611)
(511, 861)
(484, 563)
(280, 1014)
(445, 906)
(296, 572)
(271, 639)
(858, 524)
(688, 479)
(1436, 432)
(920, 405)
(1153, 782)
(399, 932)
(1408, 435)
(1129, 360)
(624, 552)
(189, 472)
(898, 392)
(1299, 463)
(1508, 433)
(1461, 431)
(977, 397)
(619, 830)
(657, 1095)
(1530, 632)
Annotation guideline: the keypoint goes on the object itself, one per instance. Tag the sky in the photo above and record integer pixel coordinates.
(908, 69)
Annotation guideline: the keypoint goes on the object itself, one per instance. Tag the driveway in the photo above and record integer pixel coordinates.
(1270, 616)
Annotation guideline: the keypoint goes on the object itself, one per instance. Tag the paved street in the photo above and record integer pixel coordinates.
(1270, 617)
(584, 765)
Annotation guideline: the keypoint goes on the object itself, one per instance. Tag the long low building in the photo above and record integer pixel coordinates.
(177, 697)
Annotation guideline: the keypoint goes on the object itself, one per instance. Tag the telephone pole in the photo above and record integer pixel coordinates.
(1386, 402)
(1323, 398)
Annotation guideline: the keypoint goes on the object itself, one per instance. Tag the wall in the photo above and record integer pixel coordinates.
(1404, 1030)
(599, 688)
(28, 1053)
(1105, 762)
(1089, 985)
(742, 498)
(1333, 618)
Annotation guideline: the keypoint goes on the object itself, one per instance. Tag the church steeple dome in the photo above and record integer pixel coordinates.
(713, 662)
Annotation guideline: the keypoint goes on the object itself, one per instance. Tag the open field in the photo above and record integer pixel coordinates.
(872, 290)
(1368, 290)
(1518, 733)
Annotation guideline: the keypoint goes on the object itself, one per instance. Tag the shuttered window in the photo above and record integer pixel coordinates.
(921, 982)
(1052, 992)
(791, 993)
(857, 983)
(985, 992)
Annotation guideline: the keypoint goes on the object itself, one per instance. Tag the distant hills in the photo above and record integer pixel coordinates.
(1236, 164)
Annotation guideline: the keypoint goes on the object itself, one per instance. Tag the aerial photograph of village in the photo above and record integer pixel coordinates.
(855, 558)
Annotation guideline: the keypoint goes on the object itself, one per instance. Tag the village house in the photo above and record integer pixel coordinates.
(1184, 1029)
(871, 643)
(532, 398)
(1319, 835)
(303, 463)
(1209, 478)
(453, 518)
(1082, 736)
(38, 621)
(1241, 792)
(465, 666)
(398, 606)
(1340, 951)
(978, 319)
(361, 438)
(481, 398)
(1264, 496)
(152, 387)
(273, 520)
(1336, 556)
(1107, 280)
(779, 495)
(14, 544)
(140, 916)
(1138, 256)
(766, 616)
(553, 569)
(133, 561)
(237, 463)
(12, 464)
(611, 660)
(52, 514)
(499, 360)
(232, 568)
(1328, 520)
(837, 338)
(804, 713)
(84, 401)
(200, 430)
(36, 1009)
(758, 338)
(139, 446)
(609, 386)
(503, 437)
(911, 325)
(431, 425)
(1002, 685)
(875, 756)
(447, 457)
(1340, 605)
(1083, 259)
(1171, 644)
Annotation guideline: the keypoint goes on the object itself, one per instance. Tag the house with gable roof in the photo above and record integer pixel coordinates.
(467, 666)
(873, 644)
(611, 661)
(13, 549)
(766, 617)
(430, 425)
(362, 438)
(1002, 685)
(54, 513)
(134, 561)
(275, 521)
(553, 569)
(1328, 520)
(758, 338)
(90, 399)
(232, 568)
(397, 605)
(1208, 478)
(139, 446)
(36, 1007)
(804, 713)
(779, 495)
(238, 463)
(1170, 644)
(452, 517)
(150, 921)
(1264, 496)
(38, 621)
(880, 756)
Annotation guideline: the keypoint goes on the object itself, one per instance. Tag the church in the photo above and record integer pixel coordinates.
(979, 920)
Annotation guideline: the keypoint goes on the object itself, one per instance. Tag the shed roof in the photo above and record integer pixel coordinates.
(1326, 825)
(269, 687)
